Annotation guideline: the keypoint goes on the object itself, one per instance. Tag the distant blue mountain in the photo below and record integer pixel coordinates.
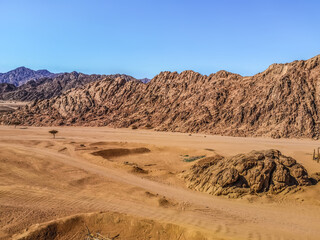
(145, 80)
(21, 75)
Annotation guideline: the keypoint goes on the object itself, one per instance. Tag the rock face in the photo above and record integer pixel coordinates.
(22, 75)
(282, 101)
(255, 172)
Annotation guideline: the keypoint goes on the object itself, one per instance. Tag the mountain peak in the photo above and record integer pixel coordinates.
(22, 75)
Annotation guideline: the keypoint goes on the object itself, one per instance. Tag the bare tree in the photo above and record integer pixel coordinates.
(53, 132)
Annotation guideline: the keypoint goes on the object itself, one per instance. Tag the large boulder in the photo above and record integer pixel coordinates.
(255, 172)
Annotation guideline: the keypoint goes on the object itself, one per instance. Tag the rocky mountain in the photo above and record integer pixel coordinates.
(22, 75)
(282, 101)
(6, 87)
(145, 80)
(49, 87)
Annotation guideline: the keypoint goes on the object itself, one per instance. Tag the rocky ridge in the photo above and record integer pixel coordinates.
(21, 75)
(282, 101)
(49, 87)
(6, 87)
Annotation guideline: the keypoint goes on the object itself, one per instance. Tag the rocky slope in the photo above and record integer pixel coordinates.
(255, 172)
(22, 75)
(49, 87)
(6, 87)
(282, 101)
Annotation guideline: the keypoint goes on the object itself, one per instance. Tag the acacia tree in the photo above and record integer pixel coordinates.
(53, 132)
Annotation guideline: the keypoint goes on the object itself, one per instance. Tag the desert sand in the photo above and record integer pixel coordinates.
(50, 187)
(6, 106)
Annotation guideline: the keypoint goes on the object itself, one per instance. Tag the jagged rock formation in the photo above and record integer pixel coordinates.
(282, 101)
(46, 88)
(21, 75)
(255, 172)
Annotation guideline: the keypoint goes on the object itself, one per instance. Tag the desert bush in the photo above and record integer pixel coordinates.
(193, 158)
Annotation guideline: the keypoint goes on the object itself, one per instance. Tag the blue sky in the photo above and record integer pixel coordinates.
(144, 37)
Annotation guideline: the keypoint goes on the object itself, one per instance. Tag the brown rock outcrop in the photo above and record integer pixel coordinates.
(255, 172)
(282, 101)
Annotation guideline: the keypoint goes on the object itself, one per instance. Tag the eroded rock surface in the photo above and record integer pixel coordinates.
(52, 86)
(256, 172)
(282, 101)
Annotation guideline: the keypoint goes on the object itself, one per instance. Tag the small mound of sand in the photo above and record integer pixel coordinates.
(84, 181)
(62, 149)
(255, 172)
(119, 152)
(151, 195)
(108, 225)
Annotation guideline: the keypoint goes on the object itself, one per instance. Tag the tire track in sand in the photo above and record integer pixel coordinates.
(229, 219)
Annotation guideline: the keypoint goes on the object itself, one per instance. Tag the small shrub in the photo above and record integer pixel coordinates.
(194, 158)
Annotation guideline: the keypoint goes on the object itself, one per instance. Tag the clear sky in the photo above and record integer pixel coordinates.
(144, 37)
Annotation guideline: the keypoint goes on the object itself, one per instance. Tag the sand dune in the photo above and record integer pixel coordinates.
(108, 224)
(44, 179)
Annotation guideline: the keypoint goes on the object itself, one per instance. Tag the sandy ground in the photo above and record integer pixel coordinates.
(43, 179)
(6, 106)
